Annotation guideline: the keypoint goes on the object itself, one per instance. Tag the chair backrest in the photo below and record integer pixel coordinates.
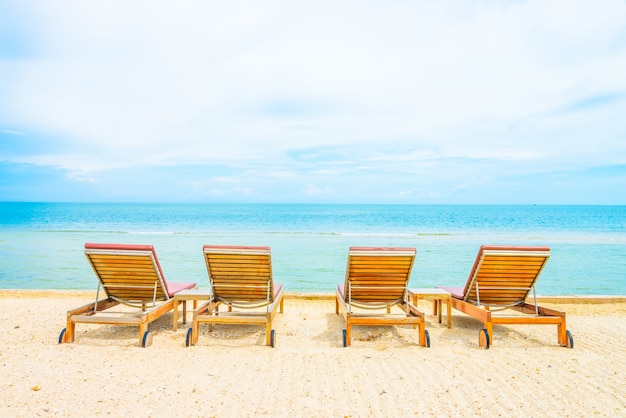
(128, 272)
(240, 274)
(504, 275)
(377, 274)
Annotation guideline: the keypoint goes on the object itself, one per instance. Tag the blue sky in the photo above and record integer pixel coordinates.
(313, 101)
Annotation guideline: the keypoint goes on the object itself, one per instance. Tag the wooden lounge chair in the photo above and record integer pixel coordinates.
(377, 278)
(130, 275)
(503, 278)
(241, 277)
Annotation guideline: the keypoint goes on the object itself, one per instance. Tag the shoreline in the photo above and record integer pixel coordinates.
(68, 293)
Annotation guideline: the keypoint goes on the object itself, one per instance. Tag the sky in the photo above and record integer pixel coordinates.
(415, 102)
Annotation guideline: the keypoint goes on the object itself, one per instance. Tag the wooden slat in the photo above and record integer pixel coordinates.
(129, 276)
(506, 272)
(240, 276)
(377, 277)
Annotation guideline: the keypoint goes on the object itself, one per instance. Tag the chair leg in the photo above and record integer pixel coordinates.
(562, 334)
(422, 331)
(268, 333)
(439, 308)
(489, 328)
(70, 330)
(175, 314)
(143, 327)
(194, 332)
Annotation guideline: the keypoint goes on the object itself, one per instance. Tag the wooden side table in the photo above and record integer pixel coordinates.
(438, 296)
(184, 296)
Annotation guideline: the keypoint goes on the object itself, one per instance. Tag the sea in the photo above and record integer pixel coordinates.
(42, 244)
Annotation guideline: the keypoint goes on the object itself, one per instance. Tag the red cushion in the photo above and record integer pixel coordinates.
(136, 247)
(341, 289)
(175, 287)
(277, 289)
(378, 249)
(234, 247)
(456, 292)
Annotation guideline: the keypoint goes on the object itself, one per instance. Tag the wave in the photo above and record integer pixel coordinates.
(118, 232)
(492, 236)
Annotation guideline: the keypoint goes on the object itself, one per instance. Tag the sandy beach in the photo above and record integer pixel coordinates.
(384, 373)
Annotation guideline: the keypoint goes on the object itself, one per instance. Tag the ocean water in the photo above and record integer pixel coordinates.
(42, 244)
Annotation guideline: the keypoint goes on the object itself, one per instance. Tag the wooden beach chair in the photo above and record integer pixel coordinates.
(241, 278)
(377, 279)
(502, 278)
(129, 275)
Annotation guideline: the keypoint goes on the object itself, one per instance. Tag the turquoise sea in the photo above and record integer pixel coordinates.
(41, 244)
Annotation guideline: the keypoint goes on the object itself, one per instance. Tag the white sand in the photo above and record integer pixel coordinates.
(309, 373)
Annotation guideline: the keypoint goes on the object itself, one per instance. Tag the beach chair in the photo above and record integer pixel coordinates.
(129, 275)
(502, 278)
(377, 279)
(241, 278)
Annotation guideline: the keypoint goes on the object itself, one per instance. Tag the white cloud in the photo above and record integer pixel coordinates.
(13, 132)
(82, 177)
(409, 87)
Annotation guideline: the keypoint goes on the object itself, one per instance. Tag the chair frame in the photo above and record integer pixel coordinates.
(363, 295)
(153, 301)
(511, 297)
(258, 292)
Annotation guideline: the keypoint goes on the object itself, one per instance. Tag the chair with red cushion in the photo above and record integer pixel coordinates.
(241, 278)
(502, 278)
(130, 275)
(377, 278)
